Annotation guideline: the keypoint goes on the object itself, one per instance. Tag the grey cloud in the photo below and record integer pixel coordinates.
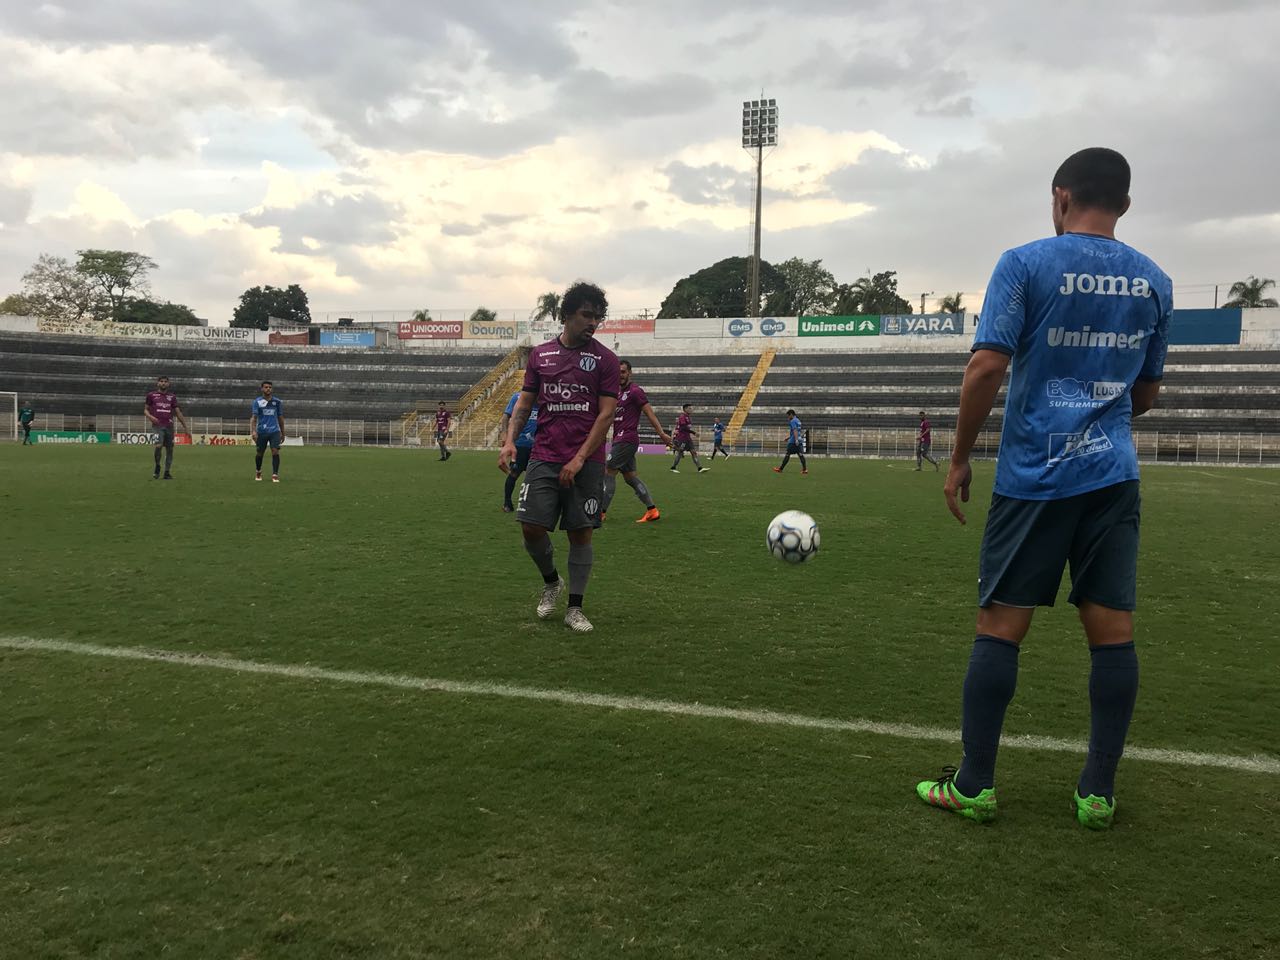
(334, 221)
(583, 210)
(15, 204)
(593, 94)
(955, 107)
(503, 219)
(461, 230)
(712, 185)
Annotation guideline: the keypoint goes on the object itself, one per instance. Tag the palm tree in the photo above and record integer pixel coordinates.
(1248, 293)
(548, 308)
(422, 316)
(951, 303)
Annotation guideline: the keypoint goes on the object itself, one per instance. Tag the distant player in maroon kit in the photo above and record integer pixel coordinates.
(924, 443)
(632, 402)
(575, 381)
(684, 442)
(443, 419)
(160, 407)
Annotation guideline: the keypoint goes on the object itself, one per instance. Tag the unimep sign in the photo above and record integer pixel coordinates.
(868, 326)
(921, 324)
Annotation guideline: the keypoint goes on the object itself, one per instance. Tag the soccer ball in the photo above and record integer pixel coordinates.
(793, 536)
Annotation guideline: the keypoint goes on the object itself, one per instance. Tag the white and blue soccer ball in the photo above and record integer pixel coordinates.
(793, 536)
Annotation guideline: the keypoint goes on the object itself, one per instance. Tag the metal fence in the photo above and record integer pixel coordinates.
(1153, 446)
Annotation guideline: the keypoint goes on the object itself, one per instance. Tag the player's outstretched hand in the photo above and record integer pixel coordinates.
(570, 470)
(505, 456)
(959, 476)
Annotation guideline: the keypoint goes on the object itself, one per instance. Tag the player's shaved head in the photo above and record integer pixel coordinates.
(1095, 177)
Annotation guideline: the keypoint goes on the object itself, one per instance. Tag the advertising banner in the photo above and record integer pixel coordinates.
(139, 439)
(299, 338)
(216, 334)
(69, 436)
(223, 440)
(738, 327)
(346, 338)
(430, 330)
(1221, 326)
(868, 326)
(107, 328)
(627, 325)
(495, 330)
(921, 324)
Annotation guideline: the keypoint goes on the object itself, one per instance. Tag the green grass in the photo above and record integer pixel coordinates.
(150, 809)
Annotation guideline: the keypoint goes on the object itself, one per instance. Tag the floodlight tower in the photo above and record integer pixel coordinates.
(759, 130)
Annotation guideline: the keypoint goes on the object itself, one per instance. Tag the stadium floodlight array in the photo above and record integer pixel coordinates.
(759, 124)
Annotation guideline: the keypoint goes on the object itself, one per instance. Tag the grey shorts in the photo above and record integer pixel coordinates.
(543, 501)
(1027, 543)
(623, 457)
(164, 436)
(686, 446)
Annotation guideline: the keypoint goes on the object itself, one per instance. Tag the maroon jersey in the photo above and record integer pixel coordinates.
(926, 431)
(684, 428)
(626, 422)
(161, 406)
(442, 421)
(567, 383)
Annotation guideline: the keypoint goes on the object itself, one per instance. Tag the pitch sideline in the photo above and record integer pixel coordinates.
(1259, 763)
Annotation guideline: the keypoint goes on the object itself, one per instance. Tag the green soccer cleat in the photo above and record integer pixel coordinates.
(1094, 812)
(943, 793)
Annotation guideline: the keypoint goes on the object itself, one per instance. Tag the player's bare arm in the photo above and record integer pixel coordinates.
(182, 417)
(656, 424)
(1144, 395)
(280, 420)
(519, 419)
(604, 420)
(982, 379)
(253, 427)
(146, 412)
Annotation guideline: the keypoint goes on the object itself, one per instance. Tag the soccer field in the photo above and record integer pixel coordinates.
(724, 768)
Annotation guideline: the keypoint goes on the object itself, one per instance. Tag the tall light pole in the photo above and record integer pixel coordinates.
(759, 130)
(922, 296)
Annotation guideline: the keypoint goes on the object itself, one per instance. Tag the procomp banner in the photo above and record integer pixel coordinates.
(69, 436)
(430, 330)
(921, 324)
(868, 326)
(150, 439)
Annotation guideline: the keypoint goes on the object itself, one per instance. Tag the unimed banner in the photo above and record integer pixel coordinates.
(430, 330)
(69, 436)
(868, 326)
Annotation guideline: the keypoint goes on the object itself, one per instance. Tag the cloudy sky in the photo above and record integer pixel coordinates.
(391, 154)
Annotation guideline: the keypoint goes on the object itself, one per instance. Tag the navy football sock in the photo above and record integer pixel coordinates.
(509, 488)
(275, 463)
(257, 462)
(1113, 690)
(988, 688)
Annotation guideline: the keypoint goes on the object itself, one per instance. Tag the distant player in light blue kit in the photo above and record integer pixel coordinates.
(524, 447)
(795, 444)
(717, 439)
(1085, 320)
(266, 426)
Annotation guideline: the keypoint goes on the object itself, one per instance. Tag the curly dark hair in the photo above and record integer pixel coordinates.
(582, 294)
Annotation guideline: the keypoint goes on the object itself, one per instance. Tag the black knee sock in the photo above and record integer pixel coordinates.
(509, 488)
(988, 688)
(785, 461)
(257, 462)
(1113, 690)
(168, 458)
(275, 463)
(157, 458)
(803, 464)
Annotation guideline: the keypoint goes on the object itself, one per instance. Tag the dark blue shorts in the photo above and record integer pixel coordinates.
(794, 449)
(1028, 543)
(272, 440)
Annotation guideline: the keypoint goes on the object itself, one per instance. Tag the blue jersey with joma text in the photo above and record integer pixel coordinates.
(794, 437)
(1084, 318)
(526, 437)
(268, 413)
(718, 430)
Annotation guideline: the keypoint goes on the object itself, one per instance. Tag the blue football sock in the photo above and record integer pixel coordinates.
(1113, 690)
(988, 688)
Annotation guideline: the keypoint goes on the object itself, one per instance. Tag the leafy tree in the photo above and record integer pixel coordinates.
(547, 308)
(483, 315)
(873, 295)
(810, 288)
(259, 306)
(1249, 292)
(18, 305)
(141, 310)
(113, 277)
(421, 316)
(951, 303)
(720, 290)
(54, 289)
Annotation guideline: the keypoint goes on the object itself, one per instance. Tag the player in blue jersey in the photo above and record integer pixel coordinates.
(795, 444)
(717, 439)
(1085, 321)
(266, 426)
(524, 447)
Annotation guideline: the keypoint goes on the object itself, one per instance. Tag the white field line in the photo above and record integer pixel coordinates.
(1258, 763)
(1206, 473)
